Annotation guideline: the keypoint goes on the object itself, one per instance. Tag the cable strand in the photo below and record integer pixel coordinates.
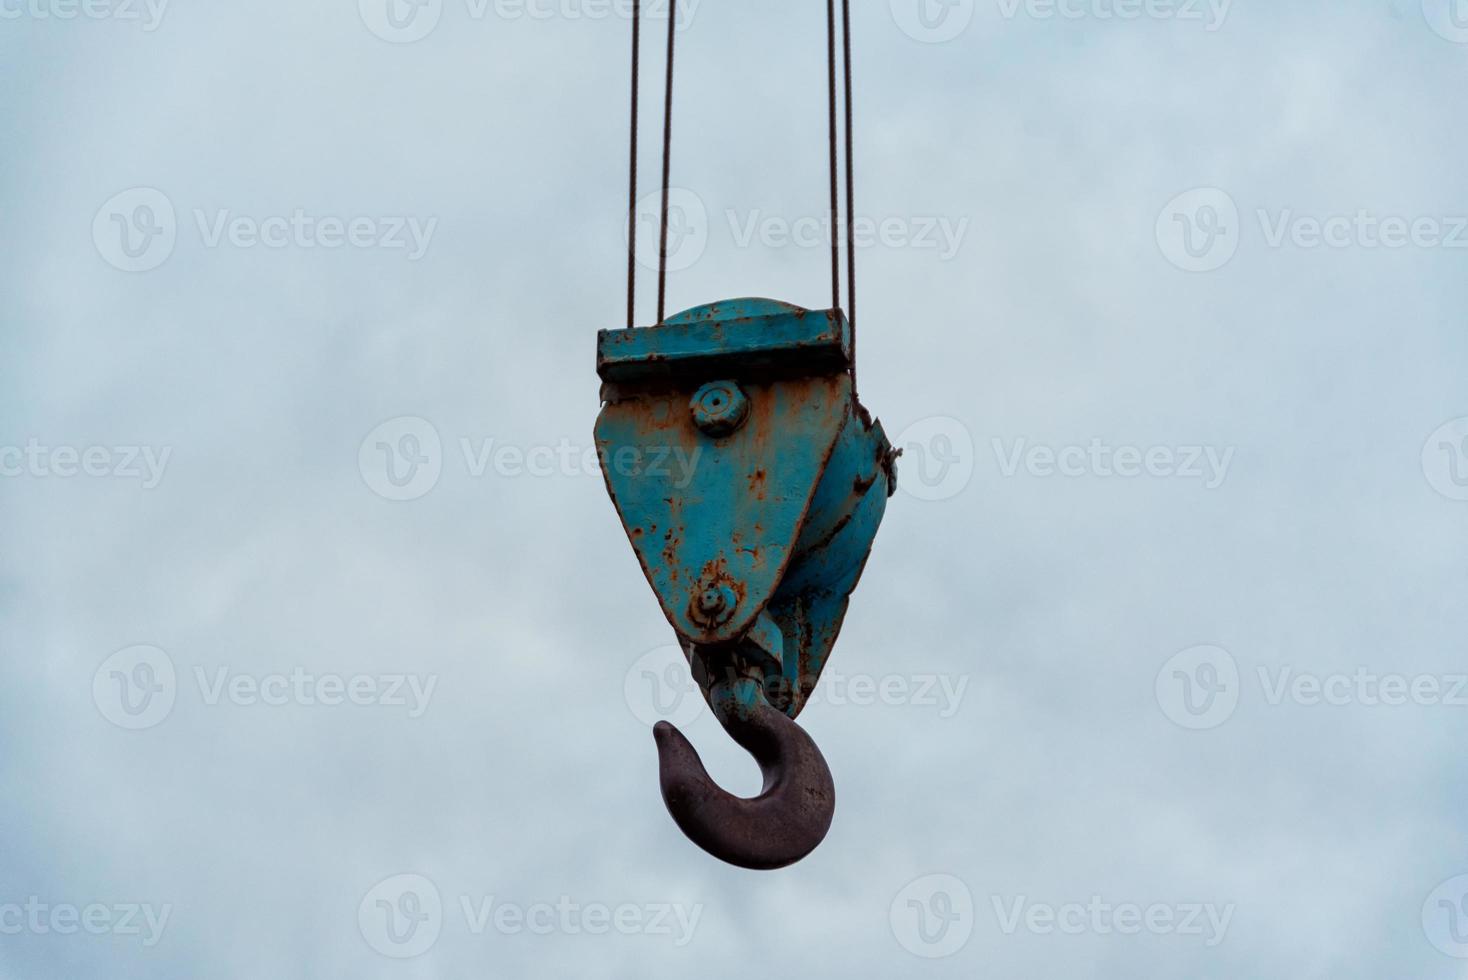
(632, 172)
(850, 193)
(835, 205)
(667, 162)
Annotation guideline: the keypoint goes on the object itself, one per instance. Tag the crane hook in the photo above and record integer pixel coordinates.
(792, 813)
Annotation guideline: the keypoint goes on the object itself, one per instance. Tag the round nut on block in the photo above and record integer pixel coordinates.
(713, 603)
(719, 408)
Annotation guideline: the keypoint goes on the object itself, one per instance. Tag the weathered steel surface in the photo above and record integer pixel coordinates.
(830, 555)
(734, 523)
(761, 536)
(729, 339)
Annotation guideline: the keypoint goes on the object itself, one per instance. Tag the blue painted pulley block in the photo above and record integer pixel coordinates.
(754, 544)
(757, 554)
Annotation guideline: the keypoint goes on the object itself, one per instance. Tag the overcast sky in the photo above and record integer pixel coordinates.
(327, 655)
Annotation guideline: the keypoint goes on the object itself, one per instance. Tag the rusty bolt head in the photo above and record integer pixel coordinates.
(719, 408)
(713, 603)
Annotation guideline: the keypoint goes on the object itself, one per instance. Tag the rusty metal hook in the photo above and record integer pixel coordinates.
(789, 817)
